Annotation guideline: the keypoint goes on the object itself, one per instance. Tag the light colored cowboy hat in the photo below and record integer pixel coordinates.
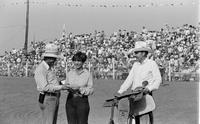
(51, 50)
(141, 46)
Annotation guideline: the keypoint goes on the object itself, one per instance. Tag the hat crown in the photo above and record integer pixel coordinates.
(51, 50)
(141, 44)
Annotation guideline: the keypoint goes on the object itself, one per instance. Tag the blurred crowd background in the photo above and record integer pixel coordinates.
(175, 49)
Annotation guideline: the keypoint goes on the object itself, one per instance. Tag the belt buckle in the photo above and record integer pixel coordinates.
(52, 94)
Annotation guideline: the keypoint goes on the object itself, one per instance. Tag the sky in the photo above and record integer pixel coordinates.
(47, 17)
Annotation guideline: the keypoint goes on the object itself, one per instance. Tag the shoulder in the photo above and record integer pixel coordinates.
(136, 63)
(86, 71)
(39, 67)
(152, 62)
(71, 71)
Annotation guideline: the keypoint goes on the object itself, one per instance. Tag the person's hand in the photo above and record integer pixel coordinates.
(145, 83)
(82, 90)
(115, 100)
(65, 87)
(86, 91)
(117, 94)
(146, 91)
(42, 106)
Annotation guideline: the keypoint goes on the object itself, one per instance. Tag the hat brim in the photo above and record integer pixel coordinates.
(50, 55)
(142, 49)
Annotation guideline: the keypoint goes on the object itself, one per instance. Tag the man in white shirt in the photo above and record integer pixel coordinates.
(48, 85)
(142, 70)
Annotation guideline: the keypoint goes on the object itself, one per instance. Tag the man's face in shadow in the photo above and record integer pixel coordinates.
(141, 55)
(50, 61)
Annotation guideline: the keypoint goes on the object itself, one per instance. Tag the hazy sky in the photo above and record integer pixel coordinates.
(47, 17)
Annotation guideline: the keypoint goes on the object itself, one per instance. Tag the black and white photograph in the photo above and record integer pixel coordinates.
(99, 61)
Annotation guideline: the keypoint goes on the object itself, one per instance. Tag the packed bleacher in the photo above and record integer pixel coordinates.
(175, 49)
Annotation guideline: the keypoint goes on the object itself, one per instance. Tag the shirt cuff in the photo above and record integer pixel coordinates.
(58, 87)
(149, 88)
(120, 91)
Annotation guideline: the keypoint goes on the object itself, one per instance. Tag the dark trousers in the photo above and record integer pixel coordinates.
(151, 113)
(77, 109)
(137, 118)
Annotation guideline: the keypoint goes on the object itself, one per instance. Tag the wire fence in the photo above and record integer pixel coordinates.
(114, 73)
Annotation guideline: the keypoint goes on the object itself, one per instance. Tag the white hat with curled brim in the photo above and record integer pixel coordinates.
(51, 50)
(141, 46)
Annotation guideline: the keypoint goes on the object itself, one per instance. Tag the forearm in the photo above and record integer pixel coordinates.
(127, 83)
(89, 87)
(88, 90)
(52, 88)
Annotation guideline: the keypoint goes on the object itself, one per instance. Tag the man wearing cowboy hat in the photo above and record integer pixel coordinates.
(48, 85)
(142, 70)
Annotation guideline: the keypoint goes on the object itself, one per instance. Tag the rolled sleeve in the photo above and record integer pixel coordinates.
(89, 87)
(52, 88)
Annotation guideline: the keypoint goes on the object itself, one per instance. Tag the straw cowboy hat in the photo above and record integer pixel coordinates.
(141, 46)
(51, 50)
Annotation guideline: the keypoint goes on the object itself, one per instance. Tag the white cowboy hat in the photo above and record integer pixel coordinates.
(141, 46)
(51, 50)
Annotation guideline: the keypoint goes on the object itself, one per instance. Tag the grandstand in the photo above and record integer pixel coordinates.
(176, 50)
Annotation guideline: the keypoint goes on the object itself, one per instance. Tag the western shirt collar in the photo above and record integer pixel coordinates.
(145, 60)
(46, 65)
(80, 72)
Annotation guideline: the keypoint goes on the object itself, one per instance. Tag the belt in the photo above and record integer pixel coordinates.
(74, 95)
(51, 94)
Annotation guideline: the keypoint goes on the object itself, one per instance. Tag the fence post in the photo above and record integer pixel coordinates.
(26, 69)
(89, 66)
(113, 65)
(66, 68)
(169, 73)
(8, 66)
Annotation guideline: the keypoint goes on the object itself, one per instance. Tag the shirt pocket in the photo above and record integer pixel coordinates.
(51, 77)
(148, 76)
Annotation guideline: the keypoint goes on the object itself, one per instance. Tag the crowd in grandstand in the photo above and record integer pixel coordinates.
(176, 49)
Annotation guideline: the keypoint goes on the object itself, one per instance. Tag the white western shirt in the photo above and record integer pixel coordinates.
(46, 79)
(146, 71)
(82, 81)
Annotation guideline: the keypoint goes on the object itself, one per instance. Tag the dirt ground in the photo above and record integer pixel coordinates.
(177, 102)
